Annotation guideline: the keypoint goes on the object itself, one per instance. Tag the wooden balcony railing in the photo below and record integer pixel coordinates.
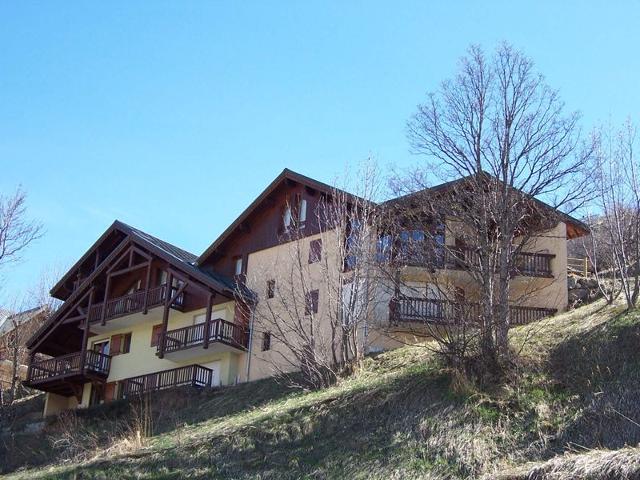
(459, 258)
(69, 365)
(219, 331)
(191, 375)
(418, 309)
(132, 303)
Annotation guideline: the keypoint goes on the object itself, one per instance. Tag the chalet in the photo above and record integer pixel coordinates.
(140, 314)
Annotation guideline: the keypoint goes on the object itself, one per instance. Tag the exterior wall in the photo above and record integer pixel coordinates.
(142, 358)
(546, 292)
(277, 263)
(54, 404)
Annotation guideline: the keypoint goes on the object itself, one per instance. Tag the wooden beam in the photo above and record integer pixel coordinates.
(128, 269)
(165, 315)
(146, 289)
(207, 320)
(58, 322)
(85, 333)
(103, 319)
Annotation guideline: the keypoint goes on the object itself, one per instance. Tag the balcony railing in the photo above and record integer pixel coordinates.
(425, 310)
(459, 258)
(191, 375)
(133, 303)
(69, 365)
(219, 331)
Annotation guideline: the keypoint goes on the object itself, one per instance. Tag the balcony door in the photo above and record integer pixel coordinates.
(99, 362)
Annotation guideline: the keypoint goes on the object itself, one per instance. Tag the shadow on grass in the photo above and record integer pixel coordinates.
(602, 368)
(350, 435)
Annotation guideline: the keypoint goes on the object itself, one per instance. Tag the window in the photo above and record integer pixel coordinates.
(120, 344)
(311, 302)
(315, 250)
(286, 217)
(383, 248)
(271, 288)
(412, 245)
(156, 333)
(266, 341)
(101, 346)
(351, 244)
(238, 265)
(302, 212)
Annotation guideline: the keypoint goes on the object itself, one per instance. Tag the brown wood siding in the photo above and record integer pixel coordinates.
(263, 228)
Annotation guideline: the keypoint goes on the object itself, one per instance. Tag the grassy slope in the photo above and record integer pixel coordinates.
(403, 416)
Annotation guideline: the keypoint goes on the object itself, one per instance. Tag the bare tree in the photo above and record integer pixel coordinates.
(502, 129)
(618, 195)
(17, 232)
(315, 310)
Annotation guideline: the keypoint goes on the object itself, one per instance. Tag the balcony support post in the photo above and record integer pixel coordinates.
(146, 289)
(207, 321)
(85, 332)
(103, 319)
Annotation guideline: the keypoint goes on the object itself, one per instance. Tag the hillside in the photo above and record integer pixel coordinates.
(402, 416)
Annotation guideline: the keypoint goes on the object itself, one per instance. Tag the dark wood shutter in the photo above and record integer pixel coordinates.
(312, 302)
(155, 335)
(109, 391)
(315, 250)
(116, 344)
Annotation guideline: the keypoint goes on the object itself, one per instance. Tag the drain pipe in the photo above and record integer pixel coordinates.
(249, 352)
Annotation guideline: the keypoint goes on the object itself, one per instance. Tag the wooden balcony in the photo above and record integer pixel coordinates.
(191, 375)
(133, 303)
(63, 374)
(459, 258)
(220, 333)
(423, 310)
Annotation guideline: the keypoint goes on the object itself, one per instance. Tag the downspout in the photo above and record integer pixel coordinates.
(250, 349)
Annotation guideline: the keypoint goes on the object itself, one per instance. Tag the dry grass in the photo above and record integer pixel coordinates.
(623, 464)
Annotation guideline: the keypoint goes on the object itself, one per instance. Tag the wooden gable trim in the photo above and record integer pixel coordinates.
(286, 176)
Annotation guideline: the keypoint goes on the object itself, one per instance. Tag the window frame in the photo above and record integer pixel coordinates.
(271, 288)
(266, 341)
(312, 300)
(315, 251)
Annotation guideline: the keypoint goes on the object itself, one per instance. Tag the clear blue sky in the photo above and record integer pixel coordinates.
(173, 116)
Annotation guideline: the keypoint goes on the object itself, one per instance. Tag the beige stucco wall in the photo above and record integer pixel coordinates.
(54, 404)
(278, 263)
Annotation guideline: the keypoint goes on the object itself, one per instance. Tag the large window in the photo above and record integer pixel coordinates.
(354, 234)
(384, 248)
(412, 245)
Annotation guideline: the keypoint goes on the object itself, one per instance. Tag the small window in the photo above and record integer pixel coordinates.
(311, 304)
(271, 288)
(286, 217)
(302, 213)
(156, 333)
(238, 265)
(120, 344)
(266, 341)
(315, 250)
